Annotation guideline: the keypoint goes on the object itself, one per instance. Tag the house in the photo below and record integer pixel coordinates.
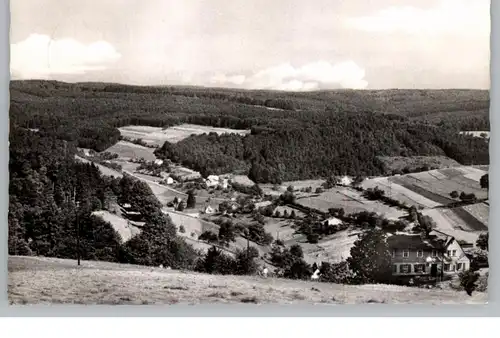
(437, 256)
(332, 221)
(454, 256)
(209, 210)
(345, 181)
(158, 162)
(414, 256)
(212, 181)
(169, 180)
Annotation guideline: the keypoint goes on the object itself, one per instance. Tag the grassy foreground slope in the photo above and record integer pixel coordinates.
(50, 280)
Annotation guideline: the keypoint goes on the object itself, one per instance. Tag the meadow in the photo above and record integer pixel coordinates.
(37, 280)
(158, 136)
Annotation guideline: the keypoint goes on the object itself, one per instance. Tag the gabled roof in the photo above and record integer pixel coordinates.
(410, 241)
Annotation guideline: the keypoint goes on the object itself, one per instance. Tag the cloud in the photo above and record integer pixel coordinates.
(39, 56)
(311, 76)
(462, 17)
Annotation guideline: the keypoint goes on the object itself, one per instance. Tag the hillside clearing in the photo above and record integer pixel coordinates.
(34, 280)
(350, 200)
(158, 136)
(128, 150)
(125, 229)
(399, 163)
(104, 170)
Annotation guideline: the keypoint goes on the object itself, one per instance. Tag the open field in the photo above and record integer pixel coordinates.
(34, 280)
(448, 222)
(350, 200)
(398, 163)
(158, 136)
(104, 170)
(297, 185)
(129, 150)
(242, 179)
(399, 192)
(436, 185)
(337, 248)
(125, 229)
(480, 211)
(191, 224)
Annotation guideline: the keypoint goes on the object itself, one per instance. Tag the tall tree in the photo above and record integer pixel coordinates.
(370, 259)
(191, 199)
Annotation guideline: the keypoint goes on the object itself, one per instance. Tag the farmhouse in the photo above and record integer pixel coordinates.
(437, 256)
(158, 162)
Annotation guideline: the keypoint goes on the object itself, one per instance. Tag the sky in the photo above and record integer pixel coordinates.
(291, 45)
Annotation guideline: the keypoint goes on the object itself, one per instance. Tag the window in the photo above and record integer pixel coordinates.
(405, 268)
(447, 267)
(393, 253)
(434, 253)
(419, 268)
(452, 267)
(420, 253)
(448, 252)
(453, 253)
(394, 268)
(459, 266)
(406, 253)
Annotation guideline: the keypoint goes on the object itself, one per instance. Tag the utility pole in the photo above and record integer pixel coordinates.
(77, 233)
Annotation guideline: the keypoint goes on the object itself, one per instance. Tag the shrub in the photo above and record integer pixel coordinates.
(208, 236)
(454, 194)
(468, 281)
(313, 238)
(482, 241)
(182, 229)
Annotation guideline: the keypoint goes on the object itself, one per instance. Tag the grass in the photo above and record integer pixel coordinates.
(158, 136)
(413, 162)
(350, 200)
(55, 281)
(128, 150)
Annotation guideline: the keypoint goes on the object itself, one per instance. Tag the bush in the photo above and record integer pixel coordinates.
(454, 194)
(313, 238)
(483, 241)
(208, 236)
(338, 273)
(468, 281)
(182, 229)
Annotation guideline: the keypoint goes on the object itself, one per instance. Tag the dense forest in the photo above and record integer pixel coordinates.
(50, 192)
(303, 135)
(89, 113)
(343, 144)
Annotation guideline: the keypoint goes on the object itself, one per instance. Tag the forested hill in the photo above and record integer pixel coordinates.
(90, 112)
(343, 144)
(294, 135)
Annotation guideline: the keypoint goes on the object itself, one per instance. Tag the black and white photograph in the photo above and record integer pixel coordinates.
(189, 152)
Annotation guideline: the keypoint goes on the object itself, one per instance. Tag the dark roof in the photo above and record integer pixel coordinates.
(412, 242)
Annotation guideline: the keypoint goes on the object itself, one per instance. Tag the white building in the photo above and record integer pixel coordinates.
(332, 221)
(345, 181)
(209, 210)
